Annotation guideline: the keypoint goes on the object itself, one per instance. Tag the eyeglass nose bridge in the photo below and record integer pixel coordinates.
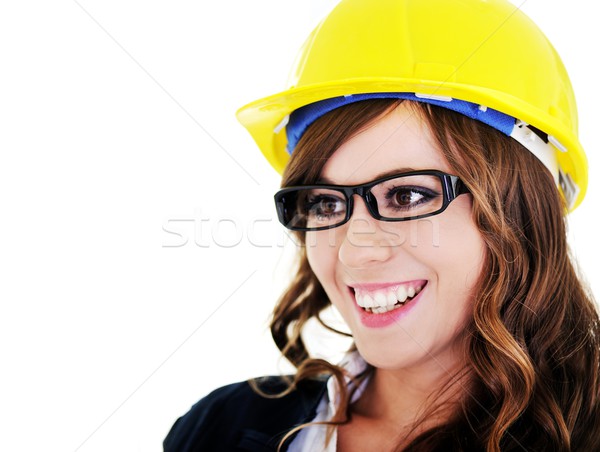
(368, 198)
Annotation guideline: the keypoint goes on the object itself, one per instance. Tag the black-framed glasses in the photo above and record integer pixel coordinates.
(399, 197)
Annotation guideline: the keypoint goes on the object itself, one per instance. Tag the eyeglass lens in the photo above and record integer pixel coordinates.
(397, 198)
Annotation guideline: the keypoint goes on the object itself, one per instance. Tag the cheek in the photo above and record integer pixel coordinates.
(452, 246)
(460, 254)
(321, 253)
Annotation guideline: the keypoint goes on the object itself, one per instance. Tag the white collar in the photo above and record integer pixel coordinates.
(313, 437)
(354, 364)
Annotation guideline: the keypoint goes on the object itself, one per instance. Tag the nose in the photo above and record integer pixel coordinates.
(367, 240)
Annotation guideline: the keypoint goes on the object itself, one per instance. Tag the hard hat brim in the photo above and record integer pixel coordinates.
(264, 117)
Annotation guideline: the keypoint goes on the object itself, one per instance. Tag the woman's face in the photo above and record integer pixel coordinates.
(437, 259)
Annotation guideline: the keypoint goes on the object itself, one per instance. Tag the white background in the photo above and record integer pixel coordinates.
(116, 126)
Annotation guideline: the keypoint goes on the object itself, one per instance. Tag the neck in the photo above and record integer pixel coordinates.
(407, 398)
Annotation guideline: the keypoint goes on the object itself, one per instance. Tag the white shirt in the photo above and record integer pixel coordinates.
(312, 438)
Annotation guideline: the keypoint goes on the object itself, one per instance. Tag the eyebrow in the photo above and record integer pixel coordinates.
(392, 172)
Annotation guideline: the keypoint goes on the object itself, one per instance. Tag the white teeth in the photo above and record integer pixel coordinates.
(385, 300)
(368, 302)
(380, 299)
(382, 309)
(360, 299)
(391, 298)
(401, 294)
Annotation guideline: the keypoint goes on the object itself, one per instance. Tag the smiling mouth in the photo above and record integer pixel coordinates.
(388, 298)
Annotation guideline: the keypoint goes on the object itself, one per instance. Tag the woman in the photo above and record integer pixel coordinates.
(429, 175)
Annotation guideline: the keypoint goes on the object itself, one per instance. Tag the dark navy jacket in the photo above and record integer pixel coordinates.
(235, 418)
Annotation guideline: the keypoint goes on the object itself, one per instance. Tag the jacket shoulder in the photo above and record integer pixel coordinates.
(236, 417)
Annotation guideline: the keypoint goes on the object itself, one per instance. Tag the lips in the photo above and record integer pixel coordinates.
(382, 299)
(381, 304)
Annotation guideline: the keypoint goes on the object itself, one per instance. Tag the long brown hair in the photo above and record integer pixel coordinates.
(534, 343)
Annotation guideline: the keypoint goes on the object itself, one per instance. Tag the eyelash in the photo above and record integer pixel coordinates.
(310, 204)
(427, 194)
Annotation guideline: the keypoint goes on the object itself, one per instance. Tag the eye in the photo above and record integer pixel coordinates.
(324, 206)
(409, 197)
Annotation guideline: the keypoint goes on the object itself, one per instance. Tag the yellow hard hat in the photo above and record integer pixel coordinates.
(484, 52)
